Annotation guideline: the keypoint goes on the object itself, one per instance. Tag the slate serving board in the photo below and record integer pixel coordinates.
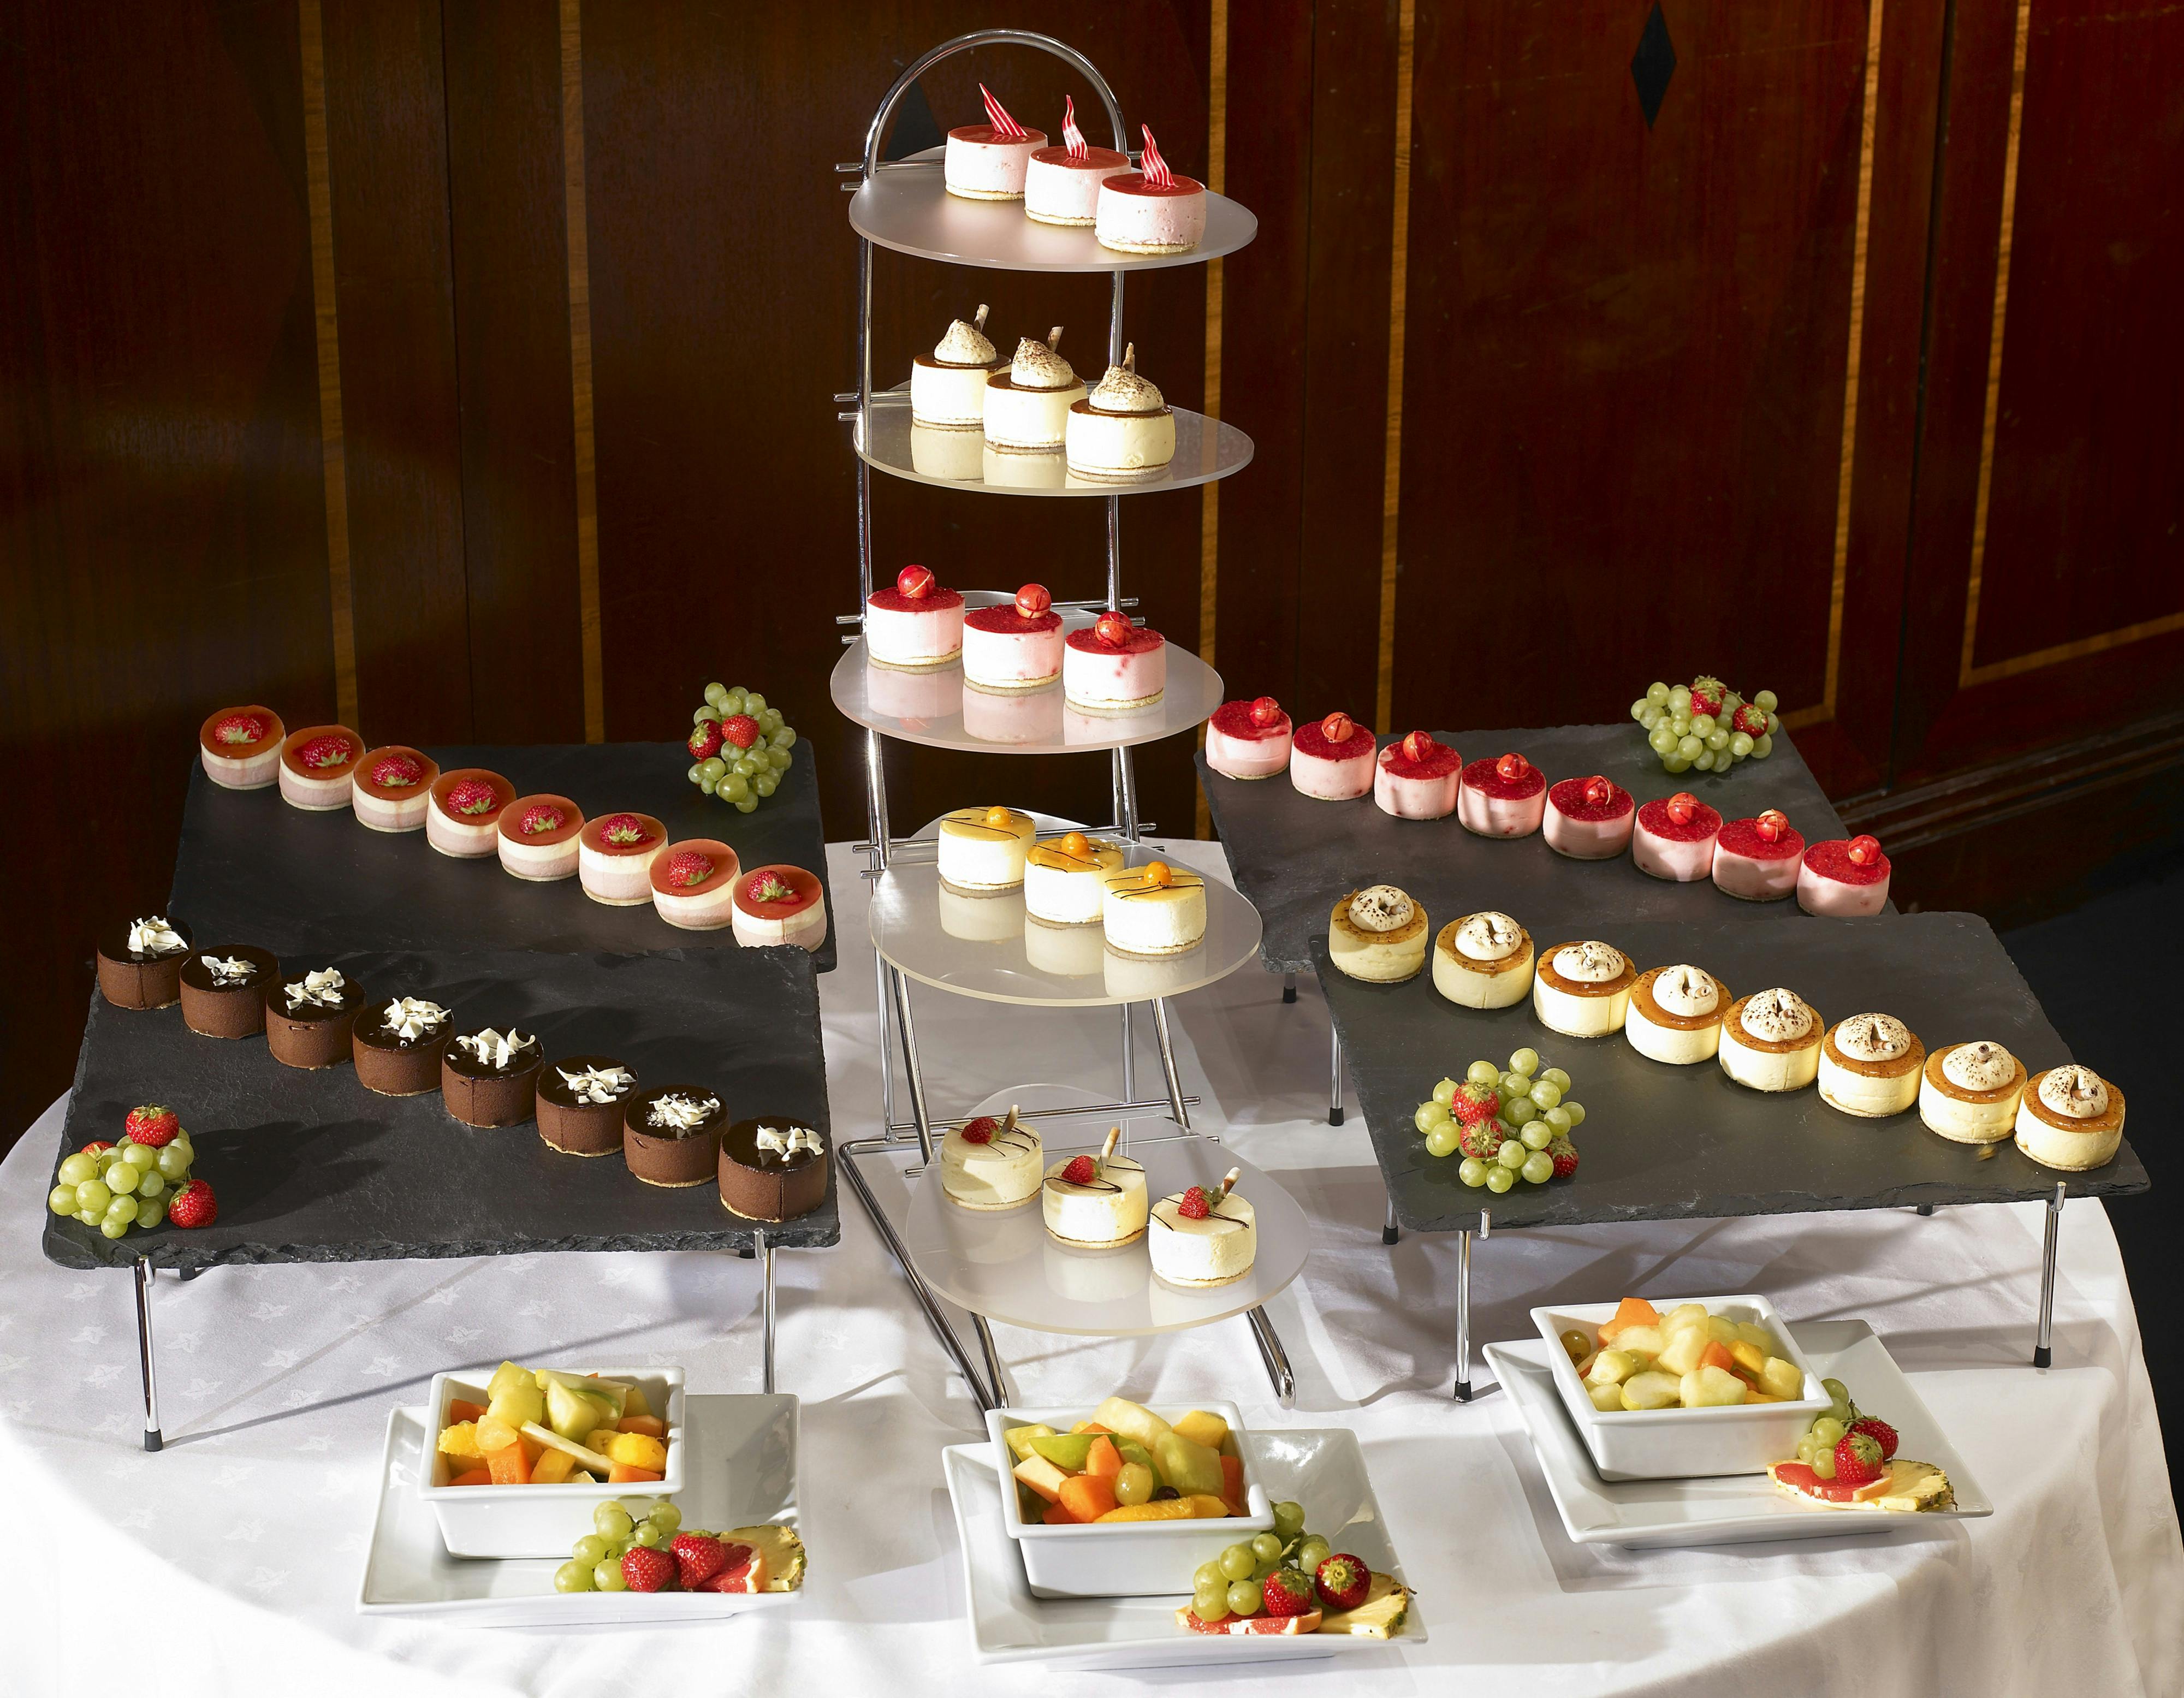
(1293, 856)
(1662, 1141)
(253, 869)
(310, 1167)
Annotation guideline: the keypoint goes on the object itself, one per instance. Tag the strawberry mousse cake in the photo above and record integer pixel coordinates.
(1758, 859)
(693, 884)
(1416, 778)
(1014, 647)
(1062, 185)
(393, 788)
(537, 837)
(779, 904)
(1123, 429)
(614, 853)
(1674, 837)
(1589, 819)
(916, 625)
(1114, 667)
(988, 161)
(1152, 209)
(1331, 759)
(1504, 797)
(317, 764)
(1248, 739)
(241, 747)
(948, 387)
(1843, 878)
(140, 963)
(1028, 405)
(464, 820)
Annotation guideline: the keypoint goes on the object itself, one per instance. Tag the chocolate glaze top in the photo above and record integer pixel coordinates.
(638, 1116)
(113, 939)
(740, 1143)
(555, 1089)
(267, 974)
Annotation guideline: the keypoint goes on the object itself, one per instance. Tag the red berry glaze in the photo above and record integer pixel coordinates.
(1751, 839)
(1254, 722)
(1833, 858)
(1592, 799)
(1336, 738)
(1521, 781)
(1698, 820)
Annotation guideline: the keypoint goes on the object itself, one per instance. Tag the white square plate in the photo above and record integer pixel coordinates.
(1734, 1509)
(739, 1471)
(1322, 1468)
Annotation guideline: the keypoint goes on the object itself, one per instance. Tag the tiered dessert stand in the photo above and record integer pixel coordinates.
(905, 207)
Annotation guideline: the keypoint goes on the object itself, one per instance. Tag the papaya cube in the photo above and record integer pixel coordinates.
(508, 1465)
(622, 1474)
(1231, 1484)
(461, 1409)
(1748, 1359)
(650, 1424)
(1059, 1514)
(1103, 1461)
(1632, 1312)
(1086, 1497)
(473, 1477)
(1717, 1356)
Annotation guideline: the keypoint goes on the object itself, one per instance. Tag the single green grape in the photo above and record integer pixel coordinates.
(703, 714)
(715, 693)
(732, 702)
(61, 1199)
(1525, 1062)
(1237, 1562)
(1243, 1597)
(1134, 1484)
(1703, 760)
(785, 738)
(1675, 763)
(1212, 1607)
(780, 760)
(1266, 1548)
(1824, 1464)
(1499, 1178)
(121, 1178)
(648, 1534)
(1536, 1135)
(1429, 1115)
(1484, 1074)
(139, 1154)
(742, 765)
(1441, 1141)
(1690, 747)
(1761, 747)
(712, 767)
(1556, 1077)
(611, 1522)
(1701, 724)
(1312, 1552)
(1207, 1576)
(1473, 1172)
(1519, 1110)
(110, 1227)
(608, 1577)
(1545, 1093)
(122, 1208)
(754, 702)
(1539, 1167)
(1512, 1155)
(1657, 694)
(733, 788)
(1680, 698)
(696, 774)
(1556, 1119)
(1514, 1084)
(1827, 1432)
(748, 805)
(1718, 741)
(590, 1549)
(1289, 1520)
(149, 1215)
(1574, 1110)
(1638, 709)
(76, 1169)
(1740, 743)
(1651, 717)
(765, 784)
(771, 720)
(1444, 1093)
(93, 1195)
(1766, 701)
(707, 787)
(666, 1517)
(174, 1162)
(572, 1577)
(1662, 739)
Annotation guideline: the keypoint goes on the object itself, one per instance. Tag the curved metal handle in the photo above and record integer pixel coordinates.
(991, 38)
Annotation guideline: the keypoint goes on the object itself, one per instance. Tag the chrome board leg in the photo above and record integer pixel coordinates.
(1129, 1053)
(2042, 1354)
(928, 1302)
(152, 1437)
(1176, 1106)
(1276, 1359)
(766, 1301)
(912, 1075)
(1390, 1232)
(1463, 1318)
(1289, 988)
(1334, 1085)
(996, 1376)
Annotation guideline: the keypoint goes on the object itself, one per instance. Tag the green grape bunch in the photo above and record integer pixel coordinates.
(1704, 725)
(742, 748)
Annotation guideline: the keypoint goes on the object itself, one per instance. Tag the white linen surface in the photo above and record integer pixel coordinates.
(231, 1560)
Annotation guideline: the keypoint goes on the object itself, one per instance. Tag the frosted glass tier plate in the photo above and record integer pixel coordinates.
(1205, 449)
(907, 207)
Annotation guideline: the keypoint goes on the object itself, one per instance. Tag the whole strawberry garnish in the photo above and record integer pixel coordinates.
(689, 867)
(705, 740)
(1081, 1170)
(473, 797)
(1705, 699)
(646, 1570)
(767, 886)
(624, 829)
(1286, 1592)
(193, 1206)
(322, 751)
(1193, 1205)
(239, 728)
(1471, 1104)
(1879, 1432)
(541, 817)
(1563, 1153)
(396, 772)
(739, 729)
(1343, 1581)
(1482, 1139)
(1859, 1461)
(698, 1557)
(151, 1123)
(981, 1130)
(1749, 720)
(96, 1149)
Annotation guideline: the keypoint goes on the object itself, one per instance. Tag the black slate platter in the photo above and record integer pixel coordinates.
(1661, 1142)
(310, 1167)
(253, 869)
(1294, 855)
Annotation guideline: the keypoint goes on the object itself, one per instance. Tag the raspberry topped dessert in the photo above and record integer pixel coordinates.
(991, 1163)
(1062, 185)
(779, 904)
(1416, 778)
(1758, 859)
(988, 161)
(1199, 1238)
(464, 820)
(224, 990)
(1331, 759)
(1248, 739)
(537, 837)
(614, 853)
(1501, 797)
(1016, 646)
(140, 962)
(916, 625)
(693, 884)
(2070, 1118)
(1114, 667)
(948, 387)
(1095, 1202)
(1123, 429)
(578, 1100)
(1589, 819)
(1027, 405)
(393, 788)
(1152, 209)
(1674, 837)
(241, 747)
(1843, 878)
(317, 764)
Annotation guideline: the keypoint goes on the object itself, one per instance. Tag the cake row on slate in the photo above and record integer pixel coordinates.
(1072, 880)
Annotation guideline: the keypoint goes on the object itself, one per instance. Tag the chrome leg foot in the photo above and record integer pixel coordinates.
(1334, 1085)
(1289, 988)
(2042, 1354)
(153, 1439)
(1389, 1232)
(1927, 1209)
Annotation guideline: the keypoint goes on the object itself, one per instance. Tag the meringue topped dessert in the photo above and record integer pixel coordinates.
(1416, 778)
(317, 764)
(1968, 1092)
(140, 963)
(948, 387)
(537, 837)
(1114, 667)
(988, 161)
(1503, 798)
(1062, 185)
(1675, 1014)
(1331, 759)
(1122, 430)
(1771, 1041)
(1483, 961)
(991, 1164)
(1378, 934)
(1589, 819)
(1248, 739)
(1870, 1065)
(393, 788)
(1152, 209)
(241, 747)
(1153, 910)
(693, 884)
(1016, 646)
(1095, 1202)
(1027, 402)
(1199, 1237)
(1758, 859)
(1843, 878)
(984, 849)
(916, 625)
(1675, 837)
(779, 904)
(1065, 879)
(463, 818)
(1583, 989)
(2070, 1118)
(614, 853)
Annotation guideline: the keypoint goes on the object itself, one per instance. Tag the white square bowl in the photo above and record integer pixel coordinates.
(1683, 1443)
(1118, 1558)
(535, 1521)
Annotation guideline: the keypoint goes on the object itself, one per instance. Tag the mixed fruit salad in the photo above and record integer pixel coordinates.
(1126, 1464)
(546, 1427)
(1686, 1359)
(643, 1547)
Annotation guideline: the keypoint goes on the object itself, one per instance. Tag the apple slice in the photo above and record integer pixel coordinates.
(1041, 1476)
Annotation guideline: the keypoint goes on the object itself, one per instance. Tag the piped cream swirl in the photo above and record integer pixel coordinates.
(1589, 963)
(1979, 1066)
(965, 344)
(1488, 937)
(1381, 908)
(1687, 991)
(1776, 1016)
(1873, 1036)
(2075, 1092)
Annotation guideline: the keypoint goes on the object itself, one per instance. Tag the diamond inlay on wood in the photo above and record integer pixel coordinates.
(1653, 65)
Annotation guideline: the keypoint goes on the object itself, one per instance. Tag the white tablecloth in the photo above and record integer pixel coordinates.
(231, 1560)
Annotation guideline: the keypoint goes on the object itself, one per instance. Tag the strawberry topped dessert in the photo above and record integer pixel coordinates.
(1416, 778)
(1757, 860)
(241, 747)
(1331, 759)
(1016, 646)
(1843, 878)
(988, 161)
(1675, 837)
(1152, 209)
(1062, 185)
(393, 788)
(615, 855)
(464, 819)
(1115, 666)
(1503, 798)
(916, 625)
(317, 764)
(780, 905)
(537, 837)
(693, 884)
(1248, 739)
(1589, 819)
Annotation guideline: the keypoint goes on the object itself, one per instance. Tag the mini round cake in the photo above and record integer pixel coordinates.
(916, 625)
(1062, 185)
(1064, 878)
(398, 1045)
(1123, 429)
(1331, 759)
(224, 990)
(536, 837)
(140, 963)
(1416, 778)
(614, 853)
(1483, 961)
(392, 788)
(990, 1164)
(1758, 859)
(1248, 739)
(1770, 1041)
(1583, 989)
(1027, 405)
(1504, 797)
(2071, 1118)
(1968, 1092)
(1153, 910)
(1675, 1014)
(1378, 934)
(1199, 1237)
(693, 884)
(1014, 647)
(464, 819)
(1114, 667)
(1674, 838)
(310, 1018)
(672, 1135)
(491, 1078)
(317, 764)
(241, 747)
(984, 849)
(948, 387)
(779, 904)
(1870, 1067)
(1843, 878)
(579, 1104)
(1589, 819)
(1152, 209)
(1095, 1202)
(772, 1168)
(988, 161)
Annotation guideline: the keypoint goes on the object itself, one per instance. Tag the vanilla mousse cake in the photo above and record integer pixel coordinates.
(1843, 878)
(1114, 667)
(1870, 1065)
(2071, 1118)
(693, 884)
(991, 1164)
(984, 849)
(992, 916)
(780, 905)
(1199, 1237)
(1027, 405)
(241, 747)
(1674, 837)
(1064, 878)
(1016, 646)
(392, 788)
(916, 625)
(1583, 989)
(614, 853)
(1152, 209)
(1331, 759)
(1589, 819)
(1065, 951)
(318, 765)
(1416, 778)
(1123, 429)
(1095, 1202)
(1483, 961)
(1503, 798)
(1968, 1092)
(463, 818)
(948, 387)
(988, 161)
(1758, 859)
(1378, 934)
(1248, 739)
(1153, 910)
(1062, 185)
(1675, 1014)
(537, 837)
(1770, 1041)
(951, 452)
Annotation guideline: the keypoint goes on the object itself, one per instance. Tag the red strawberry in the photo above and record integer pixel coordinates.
(1083, 1170)
(1564, 1154)
(239, 728)
(687, 867)
(705, 740)
(698, 1558)
(472, 797)
(1749, 720)
(1193, 1206)
(1471, 1104)
(1483, 1138)
(322, 751)
(646, 1570)
(151, 1123)
(95, 1147)
(1879, 1432)
(193, 1206)
(1286, 1592)
(396, 772)
(1704, 702)
(767, 886)
(1343, 1582)
(981, 1130)
(624, 829)
(739, 729)
(540, 816)
(1859, 1461)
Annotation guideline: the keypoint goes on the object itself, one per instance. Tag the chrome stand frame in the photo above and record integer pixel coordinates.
(153, 1439)
(2043, 1354)
(1334, 1080)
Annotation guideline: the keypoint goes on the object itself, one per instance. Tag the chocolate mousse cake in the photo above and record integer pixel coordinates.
(241, 747)
(224, 990)
(140, 962)
(672, 1135)
(490, 1077)
(398, 1044)
(772, 1168)
(310, 1018)
(579, 1105)
(318, 765)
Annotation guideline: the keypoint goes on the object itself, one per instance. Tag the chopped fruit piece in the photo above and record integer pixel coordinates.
(688, 867)
(541, 817)
(1102, 1461)
(571, 1413)
(1060, 1514)
(552, 1467)
(981, 1130)
(1081, 1170)
(1088, 1496)
(547, 1439)
(740, 730)
(508, 1464)
(1187, 1466)
(506, 1375)
(646, 1569)
(323, 752)
(767, 886)
(1310, 1621)
(459, 1442)
(1385, 1608)
(1708, 1388)
(461, 1409)
(397, 772)
(1782, 1379)
(1652, 1390)
(473, 1477)
(1632, 1312)
(1190, 1508)
(1033, 600)
(1201, 1427)
(514, 1405)
(625, 829)
(1019, 1439)
(1715, 1356)
(194, 1206)
(239, 728)
(744, 1570)
(650, 1425)
(1133, 1420)
(1067, 1451)
(1286, 1592)
(914, 582)
(1748, 1361)
(698, 1557)
(622, 1474)
(1231, 1484)
(1041, 1476)
(152, 1124)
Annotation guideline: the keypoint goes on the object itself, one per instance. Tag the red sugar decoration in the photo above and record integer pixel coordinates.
(1006, 127)
(1154, 168)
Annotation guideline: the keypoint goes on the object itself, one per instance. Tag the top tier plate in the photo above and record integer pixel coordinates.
(906, 206)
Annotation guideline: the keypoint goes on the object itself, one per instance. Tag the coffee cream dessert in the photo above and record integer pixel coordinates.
(983, 849)
(1095, 1202)
(1064, 879)
(991, 1164)
(1675, 1014)
(1483, 961)
(1123, 429)
(1969, 1092)
(1028, 405)
(1378, 934)
(1583, 989)
(948, 387)
(2071, 1118)
(1200, 1238)
(988, 161)
(1153, 910)
(1870, 1065)
(1062, 185)
(1771, 1041)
